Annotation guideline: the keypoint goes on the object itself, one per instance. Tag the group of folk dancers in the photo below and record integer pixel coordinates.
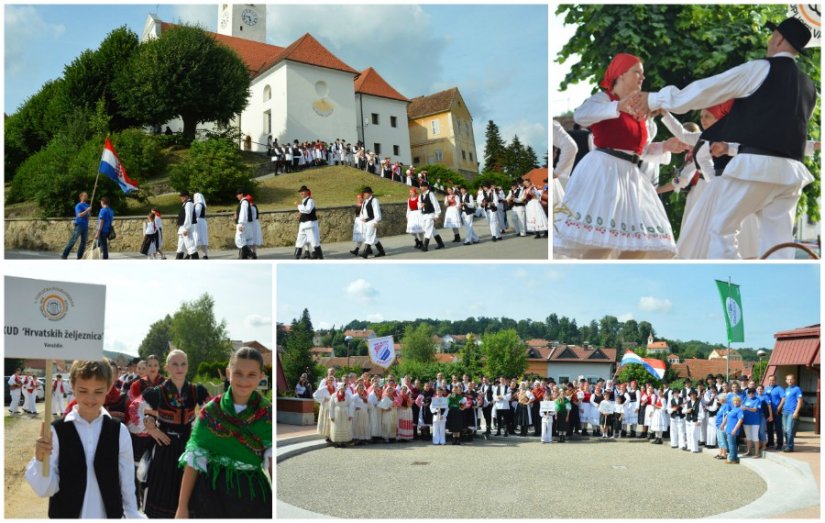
(157, 456)
(369, 409)
(24, 385)
(744, 170)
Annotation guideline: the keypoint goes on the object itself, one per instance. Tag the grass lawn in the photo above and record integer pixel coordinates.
(331, 187)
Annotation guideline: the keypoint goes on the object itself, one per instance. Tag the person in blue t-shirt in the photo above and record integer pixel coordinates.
(81, 227)
(790, 406)
(735, 390)
(733, 423)
(776, 394)
(721, 439)
(751, 409)
(765, 418)
(104, 226)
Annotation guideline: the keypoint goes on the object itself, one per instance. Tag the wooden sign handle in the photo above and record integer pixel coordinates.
(46, 429)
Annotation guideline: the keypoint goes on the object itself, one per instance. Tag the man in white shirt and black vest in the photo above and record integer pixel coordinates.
(516, 199)
(774, 100)
(186, 229)
(244, 232)
(308, 231)
(370, 217)
(430, 211)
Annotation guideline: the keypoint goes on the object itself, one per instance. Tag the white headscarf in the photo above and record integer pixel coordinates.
(199, 199)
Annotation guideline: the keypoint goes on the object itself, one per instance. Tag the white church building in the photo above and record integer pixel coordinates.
(303, 92)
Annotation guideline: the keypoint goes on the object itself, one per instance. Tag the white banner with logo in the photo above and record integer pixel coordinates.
(382, 351)
(810, 15)
(53, 319)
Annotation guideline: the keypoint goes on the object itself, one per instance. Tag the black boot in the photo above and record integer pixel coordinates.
(380, 250)
(194, 257)
(418, 243)
(457, 238)
(354, 252)
(366, 252)
(317, 254)
(298, 253)
(179, 256)
(426, 244)
(305, 255)
(439, 241)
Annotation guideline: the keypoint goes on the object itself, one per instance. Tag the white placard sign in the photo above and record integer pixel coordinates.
(382, 351)
(547, 406)
(53, 319)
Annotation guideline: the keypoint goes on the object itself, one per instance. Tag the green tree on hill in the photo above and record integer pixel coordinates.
(494, 149)
(157, 339)
(297, 359)
(417, 343)
(504, 353)
(184, 73)
(195, 330)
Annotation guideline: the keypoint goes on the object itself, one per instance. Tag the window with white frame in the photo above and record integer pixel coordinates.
(439, 156)
(436, 127)
(267, 122)
(267, 93)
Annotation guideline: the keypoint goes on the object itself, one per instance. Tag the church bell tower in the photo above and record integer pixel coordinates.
(246, 21)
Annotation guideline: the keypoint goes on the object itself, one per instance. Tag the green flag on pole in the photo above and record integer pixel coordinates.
(732, 303)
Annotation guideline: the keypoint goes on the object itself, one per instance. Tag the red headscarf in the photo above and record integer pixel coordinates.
(720, 110)
(618, 66)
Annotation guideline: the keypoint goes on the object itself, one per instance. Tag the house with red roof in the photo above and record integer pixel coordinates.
(302, 91)
(797, 352)
(567, 363)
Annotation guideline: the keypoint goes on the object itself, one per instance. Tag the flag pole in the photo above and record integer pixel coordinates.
(46, 427)
(94, 190)
(727, 358)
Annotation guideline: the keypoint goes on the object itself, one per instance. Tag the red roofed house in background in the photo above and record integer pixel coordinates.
(537, 176)
(565, 363)
(797, 352)
(304, 92)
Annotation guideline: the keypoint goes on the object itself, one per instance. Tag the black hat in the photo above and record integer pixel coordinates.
(239, 191)
(184, 193)
(367, 189)
(795, 32)
(303, 189)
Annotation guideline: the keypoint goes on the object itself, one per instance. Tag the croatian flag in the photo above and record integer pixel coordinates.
(110, 166)
(655, 367)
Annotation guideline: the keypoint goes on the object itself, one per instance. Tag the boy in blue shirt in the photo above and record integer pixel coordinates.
(81, 227)
(776, 393)
(104, 226)
(733, 423)
(790, 406)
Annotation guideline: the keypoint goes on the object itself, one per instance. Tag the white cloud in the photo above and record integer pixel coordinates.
(652, 304)
(255, 320)
(625, 317)
(375, 317)
(362, 291)
(24, 25)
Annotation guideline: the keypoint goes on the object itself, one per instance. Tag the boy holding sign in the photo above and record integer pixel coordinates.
(91, 467)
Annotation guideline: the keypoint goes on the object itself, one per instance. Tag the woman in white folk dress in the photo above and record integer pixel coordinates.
(201, 229)
(534, 212)
(452, 214)
(341, 411)
(322, 396)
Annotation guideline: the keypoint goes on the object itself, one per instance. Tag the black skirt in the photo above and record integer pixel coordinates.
(140, 445)
(427, 414)
(163, 482)
(148, 241)
(247, 497)
(415, 411)
(470, 417)
(522, 415)
(455, 420)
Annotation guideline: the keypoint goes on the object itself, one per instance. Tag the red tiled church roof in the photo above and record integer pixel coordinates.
(370, 82)
(308, 50)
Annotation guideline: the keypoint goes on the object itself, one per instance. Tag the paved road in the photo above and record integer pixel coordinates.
(398, 247)
(588, 479)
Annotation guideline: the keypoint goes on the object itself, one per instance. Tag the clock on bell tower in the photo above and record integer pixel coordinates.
(246, 21)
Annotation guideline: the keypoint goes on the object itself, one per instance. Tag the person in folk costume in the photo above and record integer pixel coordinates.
(410, 176)
(361, 415)
(646, 399)
(702, 420)
(430, 211)
(516, 201)
(563, 405)
(425, 415)
(677, 420)
(535, 406)
(615, 212)
(341, 411)
(308, 231)
(468, 410)
(607, 406)
(619, 425)
(452, 214)
(187, 220)
(439, 417)
(567, 158)
(501, 212)
(159, 229)
(201, 228)
(692, 409)
(596, 397)
(15, 389)
(710, 405)
(230, 449)
(546, 415)
(30, 394)
(257, 232)
(583, 398)
(244, 231)
(59, 394)
(774, 100)
(468, 210)
(142, 441)
(357, 225)
(174, 403)
(389, 406)
(405, 415)
(370, 218)
(323, 395)
(535, 216)
(415, 392)
(488, 201)
(414, 218)
(524, 417)
(455, 415)
(658, 419)
(631, 417)
(376, 414)
(150, 237)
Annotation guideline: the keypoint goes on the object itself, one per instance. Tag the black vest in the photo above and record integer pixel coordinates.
(426, 203)
(311, 217)
(248, 211)
(68, 502)
(693, 415)
(517, 194)
(182, 214)
(203, 212)
(465, 200)
(775, 117)
(677, 404)
(370, 211)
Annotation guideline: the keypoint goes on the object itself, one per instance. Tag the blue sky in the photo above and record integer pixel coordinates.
(680, 300)
(495, 54)
(139, 293)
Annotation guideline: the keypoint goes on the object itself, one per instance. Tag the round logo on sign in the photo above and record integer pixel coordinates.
(54, 306)
(734, 312)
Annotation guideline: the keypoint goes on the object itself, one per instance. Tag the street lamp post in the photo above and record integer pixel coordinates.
(348, 341)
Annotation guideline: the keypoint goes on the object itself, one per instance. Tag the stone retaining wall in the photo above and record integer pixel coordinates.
(279, 229)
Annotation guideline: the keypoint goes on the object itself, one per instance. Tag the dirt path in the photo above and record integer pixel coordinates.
(21, 432)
